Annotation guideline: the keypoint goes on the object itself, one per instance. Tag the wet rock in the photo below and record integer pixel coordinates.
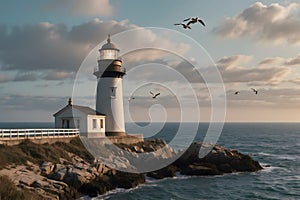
(169, 171)
(127, 180)
(97, 186)
(225, 160)
(199, 169)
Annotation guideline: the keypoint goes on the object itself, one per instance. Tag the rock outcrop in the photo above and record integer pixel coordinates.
(218, 161)
(69, 178)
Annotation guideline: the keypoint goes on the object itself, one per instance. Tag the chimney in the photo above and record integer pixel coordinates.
(70, 102)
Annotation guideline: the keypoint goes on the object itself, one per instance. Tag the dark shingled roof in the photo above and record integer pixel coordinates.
(84, 109)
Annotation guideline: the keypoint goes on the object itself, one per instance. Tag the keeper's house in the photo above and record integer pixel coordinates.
(89, 122)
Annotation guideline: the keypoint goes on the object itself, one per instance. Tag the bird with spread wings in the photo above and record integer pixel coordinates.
(185, 26)
(194, 20)
(154, 95)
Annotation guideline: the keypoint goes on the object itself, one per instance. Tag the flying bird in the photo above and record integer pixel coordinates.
(185, 26)
(194, 20)
(131, 98)
(237, 92)
(154, 95)
(254, 90)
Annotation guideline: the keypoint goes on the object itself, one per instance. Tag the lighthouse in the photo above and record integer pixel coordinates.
(109, 99)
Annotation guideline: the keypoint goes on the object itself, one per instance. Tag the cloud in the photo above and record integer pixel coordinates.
(82, 7)
(272, 23)
(55, 51)
(96, 30)
(39, 47)
(271, 97)
(46, 46)
(27, 76)
(296, 81)
(271, 61)
(293, 61)
(232, 70)
(27, 102)
(233, 61)
(59, 75)
(5, 78)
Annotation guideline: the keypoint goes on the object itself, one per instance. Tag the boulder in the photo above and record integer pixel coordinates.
(198, 169)
(225, 160)
(47, 168)
(76, 178)
(97, 186)
(127, 180)
(169, 171)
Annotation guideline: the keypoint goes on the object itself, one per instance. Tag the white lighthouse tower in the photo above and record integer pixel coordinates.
(109, 100)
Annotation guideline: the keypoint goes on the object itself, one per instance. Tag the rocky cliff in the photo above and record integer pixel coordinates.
(72, 172)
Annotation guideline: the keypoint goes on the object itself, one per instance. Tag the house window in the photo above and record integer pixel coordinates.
(113, 92)
(94, 123)
(68, 123)
(63, 123)
(101, 123)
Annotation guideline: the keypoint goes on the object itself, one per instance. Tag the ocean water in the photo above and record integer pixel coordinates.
(274, 144)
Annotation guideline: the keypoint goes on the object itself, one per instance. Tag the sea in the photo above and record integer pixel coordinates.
(276, 146)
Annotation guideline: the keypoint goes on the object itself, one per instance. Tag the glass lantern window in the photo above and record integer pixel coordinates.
(108, 54)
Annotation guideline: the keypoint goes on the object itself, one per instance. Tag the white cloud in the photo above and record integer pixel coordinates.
(233, 61)
(82, 7)
(296, 81)
(58, 75)
(293, 61)
(45, 47)
(273, 61)
(274, 23)
(232, 70)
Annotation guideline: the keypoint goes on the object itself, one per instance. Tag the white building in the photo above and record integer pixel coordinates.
(89, 122)
(109, 98)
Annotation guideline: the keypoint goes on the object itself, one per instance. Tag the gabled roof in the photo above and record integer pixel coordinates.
(84, 109)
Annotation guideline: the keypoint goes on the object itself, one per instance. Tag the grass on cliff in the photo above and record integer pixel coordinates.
(38, 153)
(9, 191)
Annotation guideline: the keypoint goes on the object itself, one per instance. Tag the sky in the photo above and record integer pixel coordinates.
(47, 50)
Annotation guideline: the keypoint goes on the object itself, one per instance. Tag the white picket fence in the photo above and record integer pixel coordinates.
(19, 134)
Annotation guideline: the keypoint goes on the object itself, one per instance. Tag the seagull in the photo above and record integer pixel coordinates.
(131, 98)
(185, 26)
(193, 20)
(237, 92)
(254, 90)
(154, 95)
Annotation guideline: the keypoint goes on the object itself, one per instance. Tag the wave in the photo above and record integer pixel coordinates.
(269, 168)
(178, 176)
(280, 156)
(113, 192)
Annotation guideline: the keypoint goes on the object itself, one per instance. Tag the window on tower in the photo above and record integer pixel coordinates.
(113, 92)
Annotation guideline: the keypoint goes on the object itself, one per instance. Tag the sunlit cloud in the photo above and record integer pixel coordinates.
(233, 70)
(270, 23)
(57, 52)
(293, 61)
(81, 7)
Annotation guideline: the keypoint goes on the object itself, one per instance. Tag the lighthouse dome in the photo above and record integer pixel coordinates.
(109, 45)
